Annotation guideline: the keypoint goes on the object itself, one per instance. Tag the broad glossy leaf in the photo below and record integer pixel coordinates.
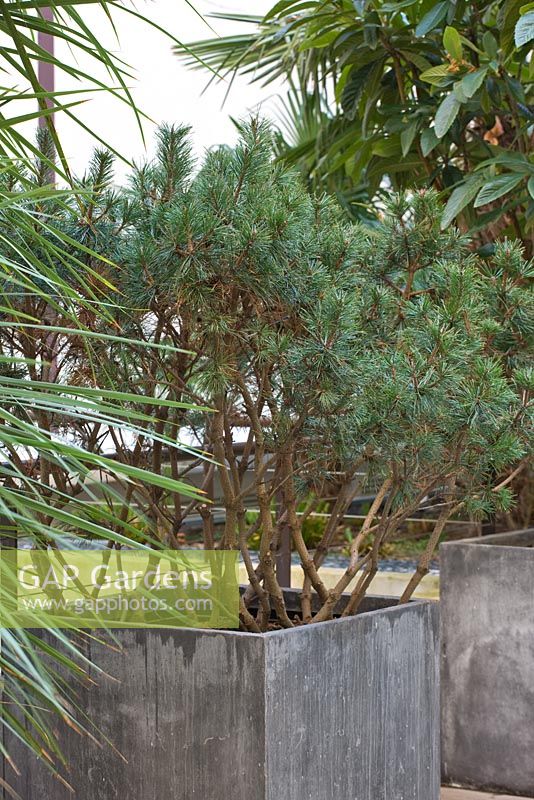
(445, 115)
(392, 7)
(385, 148)
(514, 161)
(423, 58)
(432, 19)
(485, 100)
(530, 186)
(341, 82)
(472, 82)
(498, 187)
(286, 7)
(371, 29)
(524, 30)
(452, 43)
(429, 140)
(407, 137)
(490, 45)
(459, 92)
(322, 40)
(436, 74)
(416, 58)
(506, 19)
(470, 45)
(459, 199)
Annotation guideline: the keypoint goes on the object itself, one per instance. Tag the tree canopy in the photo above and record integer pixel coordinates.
(393, 95)
(346, 357)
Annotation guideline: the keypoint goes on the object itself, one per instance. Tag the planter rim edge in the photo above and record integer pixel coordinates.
(497, 540)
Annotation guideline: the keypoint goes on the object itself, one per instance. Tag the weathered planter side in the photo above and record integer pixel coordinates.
(487, 623)
(186, 712)
(345, 709)
(363, 714)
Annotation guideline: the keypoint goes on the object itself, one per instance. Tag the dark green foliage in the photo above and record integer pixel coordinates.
(388, 360)
(400, 94)
(340, 349)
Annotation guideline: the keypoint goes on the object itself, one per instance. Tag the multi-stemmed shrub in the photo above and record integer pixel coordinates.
(348, 360)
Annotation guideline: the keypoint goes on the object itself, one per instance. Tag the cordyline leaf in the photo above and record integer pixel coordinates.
(445, 115)
(496, 188)
(7, 788)
(47, 264)
(21, 21)
(9, 122)
(84, 511)
(89, 391)
(77, 409)
(108, 465)
(76, 522)
(88, 334)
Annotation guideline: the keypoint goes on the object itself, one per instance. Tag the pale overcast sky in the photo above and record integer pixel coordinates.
(164, 88)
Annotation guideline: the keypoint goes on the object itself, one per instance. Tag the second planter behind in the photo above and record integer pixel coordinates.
(487, 613)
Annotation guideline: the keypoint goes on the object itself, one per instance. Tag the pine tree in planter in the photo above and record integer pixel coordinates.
(340, 351)
(351, 360)
(510, 329)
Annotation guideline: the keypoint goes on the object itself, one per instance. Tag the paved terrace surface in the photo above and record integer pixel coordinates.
(384, 583)
(462, 794)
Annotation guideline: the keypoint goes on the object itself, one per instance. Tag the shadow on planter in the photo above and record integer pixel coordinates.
(487, 676)
(340, 710)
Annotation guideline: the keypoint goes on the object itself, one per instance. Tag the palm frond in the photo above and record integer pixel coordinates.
(55, 288)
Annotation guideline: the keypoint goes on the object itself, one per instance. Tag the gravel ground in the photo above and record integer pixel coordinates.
(333, 560)
(386, 564)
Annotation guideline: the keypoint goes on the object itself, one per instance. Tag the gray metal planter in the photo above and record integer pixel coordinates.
(342, 710)
(487, 612)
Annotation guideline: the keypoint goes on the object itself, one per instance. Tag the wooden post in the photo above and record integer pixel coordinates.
(45, 70)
